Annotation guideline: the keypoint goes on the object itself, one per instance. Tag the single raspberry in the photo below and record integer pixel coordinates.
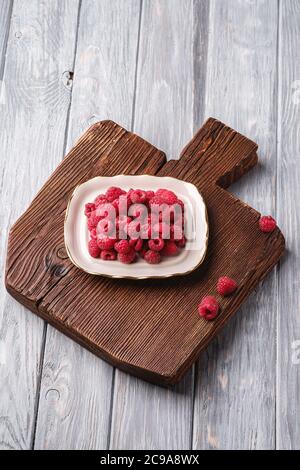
(181, 243)
(167, 196)
(100, 199)
(108, 255)
(226, 285)
(170, 249)
(94, 249)
(113, 193)
(156, 245)
(152, 257)
(115, 205)
(122, 246)
(136, 244)
(89, 208)
(267, 224)
(127, 258)
(106, 243)
(208, 308)
(138, 196)
(149, 195)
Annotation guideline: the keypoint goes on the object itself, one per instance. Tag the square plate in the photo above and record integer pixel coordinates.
(196, 228)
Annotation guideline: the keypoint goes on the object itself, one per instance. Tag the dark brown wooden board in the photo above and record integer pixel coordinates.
(149, 328)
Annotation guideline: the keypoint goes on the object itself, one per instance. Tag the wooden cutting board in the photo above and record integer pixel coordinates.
(149, 328)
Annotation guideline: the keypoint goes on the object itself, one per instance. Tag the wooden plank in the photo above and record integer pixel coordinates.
(40, 48)
(235, 396)
(103, 88)
(5, 16)
(288, 193)
(146, 416)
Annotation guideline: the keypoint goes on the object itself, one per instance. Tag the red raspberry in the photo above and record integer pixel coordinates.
(157, 200)
(136, 244)
(89, 208)
(122, 247)
(93, 234)
(93, 220)
(267, 224)
(143, 252)
(94, 249)
(115, 205)
(149, 195)
(145, 231)
(226, 285)
(108, 255)
(105, 227)
(181, 243)
(138, 196)
(167, 196)
(208, 308)
(127, 258)
(170, 249)
(156, 245)
(113, 193)
(139, 210)
(152, 257)
(161, 229)
(106, 243)
(100, 199)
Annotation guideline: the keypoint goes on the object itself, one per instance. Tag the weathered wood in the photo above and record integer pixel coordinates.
(235, 394)
(103, 88)
(32, 139)
(5, 16)
(111, 317)
(172, 55)
(288, 193)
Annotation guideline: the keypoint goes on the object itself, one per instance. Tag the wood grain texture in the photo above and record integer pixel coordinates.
(288, 193)
(110, 317)
(5, 16)
(171, 57)
(40, 48)
(235, 392)
(103, 86)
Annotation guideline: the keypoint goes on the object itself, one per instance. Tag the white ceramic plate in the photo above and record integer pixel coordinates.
(77, 236)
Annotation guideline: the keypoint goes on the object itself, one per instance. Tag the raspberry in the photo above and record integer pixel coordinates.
(93, 234)
(149, 195)
(267, 224)
(108, 255)
(100, 199)
(170, 249)
(139, 210)
(94, 249)
(152, 257)
(106, 243)
(138, 196)
(134, 229)
(136, 244)
(181, 243)
(127, 258)
(167, 196)
(157, 244)
(122, 246)
(208, 308)
(113, 193)
(157, 200)
(93, 220)
(143, 252)
(161, 229)
(226, 285)
(89, 208)
(105, 227)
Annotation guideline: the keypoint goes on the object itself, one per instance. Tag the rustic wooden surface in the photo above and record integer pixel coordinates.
(132, 413)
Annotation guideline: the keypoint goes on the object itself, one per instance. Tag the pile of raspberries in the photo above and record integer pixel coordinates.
(125, 225)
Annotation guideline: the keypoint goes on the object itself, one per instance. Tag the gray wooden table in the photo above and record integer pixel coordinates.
(158, 67)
